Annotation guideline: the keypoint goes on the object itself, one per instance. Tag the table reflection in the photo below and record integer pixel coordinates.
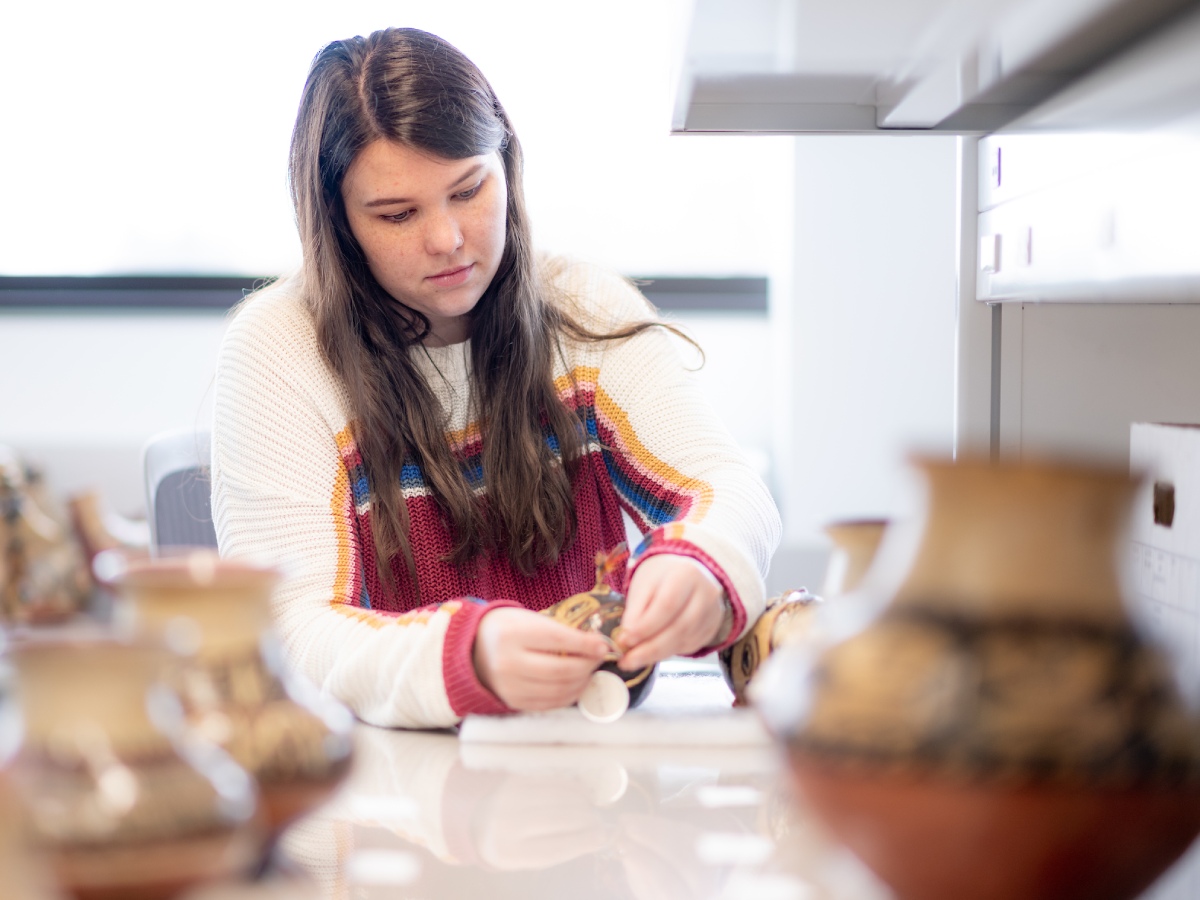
(425, 815)
(429, 815)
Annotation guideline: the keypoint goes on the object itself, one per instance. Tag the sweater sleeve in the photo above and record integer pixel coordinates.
(282, 468)
(675, 467)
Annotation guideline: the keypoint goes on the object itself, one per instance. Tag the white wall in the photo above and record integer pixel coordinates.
(736, 376)
(186, 170)
(866, 345)
(1075, 376)
(82, 392)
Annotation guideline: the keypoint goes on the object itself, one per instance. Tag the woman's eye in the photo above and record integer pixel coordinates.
(400, 217)
(469, 192)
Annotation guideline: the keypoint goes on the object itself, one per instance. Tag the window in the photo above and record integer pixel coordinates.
(153, 137)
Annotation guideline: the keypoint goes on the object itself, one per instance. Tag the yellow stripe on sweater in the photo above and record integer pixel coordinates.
(660, 471)
(342, 507)
(459, 439)
(342, 601)
(580, 375)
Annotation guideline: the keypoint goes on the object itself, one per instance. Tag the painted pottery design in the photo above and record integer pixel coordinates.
(600, 610)
(43, 575)
(787, 618)
(855, 543)
(234, 686)
(119, 802)
(993, 732)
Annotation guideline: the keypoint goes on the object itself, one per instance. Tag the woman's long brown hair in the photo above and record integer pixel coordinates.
(414, 88)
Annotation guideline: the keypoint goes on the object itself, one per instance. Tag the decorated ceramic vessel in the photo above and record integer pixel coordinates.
(43, 574)
(855, 543)
(233, 684)
(600, 610)
(1000, 729)
(787, 617)
(119, 801)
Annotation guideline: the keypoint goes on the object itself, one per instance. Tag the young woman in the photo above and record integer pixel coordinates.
(433, 433)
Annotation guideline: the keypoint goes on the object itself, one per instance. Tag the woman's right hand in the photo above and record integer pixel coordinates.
(532, 662)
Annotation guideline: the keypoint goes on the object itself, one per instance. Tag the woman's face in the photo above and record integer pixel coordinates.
(432, 229)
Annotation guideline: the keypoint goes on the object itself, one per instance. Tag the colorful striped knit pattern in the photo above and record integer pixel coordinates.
(289, 487)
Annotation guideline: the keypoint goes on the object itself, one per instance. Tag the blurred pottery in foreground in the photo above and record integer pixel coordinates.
(1000, 730)
(234, 686)
(119, 804)
(855, 542)
(43, 575)
(23, 878)
(790, 618)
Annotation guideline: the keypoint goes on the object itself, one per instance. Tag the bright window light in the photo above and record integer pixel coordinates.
(152, 137)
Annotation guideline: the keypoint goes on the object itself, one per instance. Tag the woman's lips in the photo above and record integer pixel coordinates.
(452, 277)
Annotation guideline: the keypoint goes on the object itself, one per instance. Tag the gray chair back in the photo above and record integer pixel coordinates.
(178, 492)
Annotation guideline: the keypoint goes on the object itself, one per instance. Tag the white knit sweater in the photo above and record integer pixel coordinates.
(289, 489)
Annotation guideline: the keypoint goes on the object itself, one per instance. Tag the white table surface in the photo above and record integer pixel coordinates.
(427, 815)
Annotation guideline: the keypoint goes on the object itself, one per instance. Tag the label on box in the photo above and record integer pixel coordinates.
(1165, 532)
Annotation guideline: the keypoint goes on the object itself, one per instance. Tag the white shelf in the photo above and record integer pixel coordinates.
(895, 66)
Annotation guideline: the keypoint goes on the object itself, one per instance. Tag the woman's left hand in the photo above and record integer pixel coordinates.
(674, 605)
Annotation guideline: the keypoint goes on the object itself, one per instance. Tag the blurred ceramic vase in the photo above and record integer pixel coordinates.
(43, 575)
(790, 619)
(119, 802)
(23, 878)
(235, 689)
(1000, 729)
(787, 618)
(855, 543)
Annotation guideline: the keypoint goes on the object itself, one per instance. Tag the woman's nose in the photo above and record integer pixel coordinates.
(442, 235)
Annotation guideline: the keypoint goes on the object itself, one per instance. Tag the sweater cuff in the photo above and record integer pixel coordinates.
(656, 543)
(463, 688)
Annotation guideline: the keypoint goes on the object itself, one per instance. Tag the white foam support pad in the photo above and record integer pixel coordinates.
(688, 705)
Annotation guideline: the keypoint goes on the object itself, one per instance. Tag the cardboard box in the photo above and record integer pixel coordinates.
(1165, 574)
(1166, 541)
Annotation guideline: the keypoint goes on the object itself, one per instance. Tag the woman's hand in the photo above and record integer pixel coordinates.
(674, 605)
(532, 662)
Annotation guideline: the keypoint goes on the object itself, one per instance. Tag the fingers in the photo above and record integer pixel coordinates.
(652, 603)
(526, 692)
(548, 636)
(537, 681)
(532, 662)
(686, 633)
(673, 606)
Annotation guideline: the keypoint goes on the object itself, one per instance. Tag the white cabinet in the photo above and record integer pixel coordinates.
(1089, 217)
(1079, 181)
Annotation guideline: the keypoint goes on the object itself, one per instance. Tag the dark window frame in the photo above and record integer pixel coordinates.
(217, 292)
